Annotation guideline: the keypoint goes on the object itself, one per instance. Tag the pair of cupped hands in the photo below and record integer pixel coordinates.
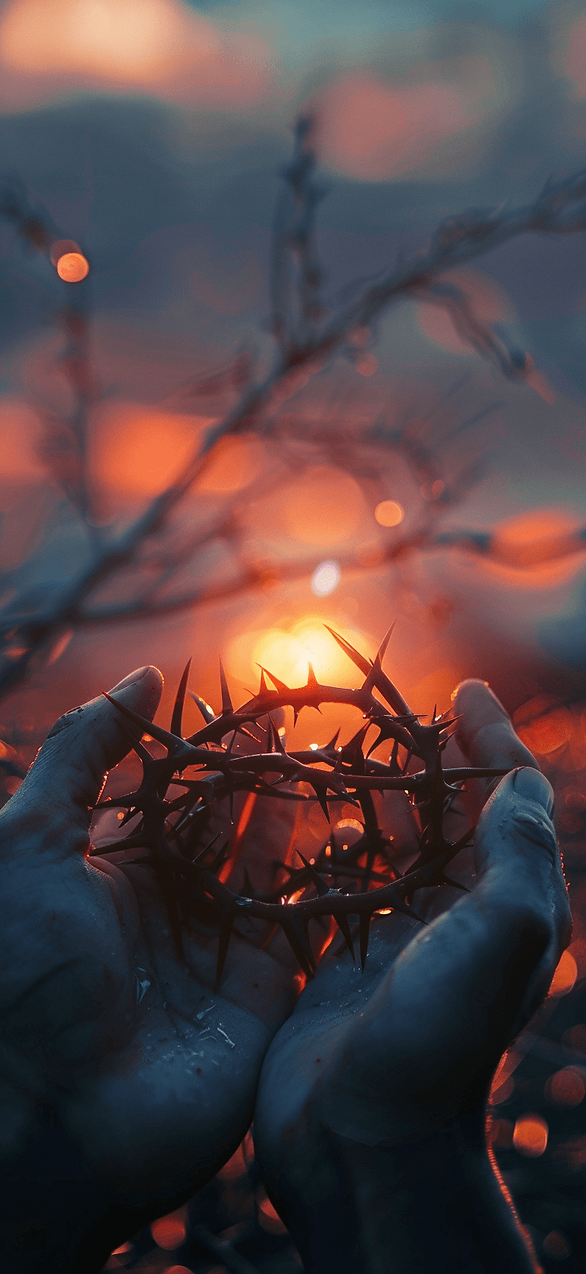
(127, 1081)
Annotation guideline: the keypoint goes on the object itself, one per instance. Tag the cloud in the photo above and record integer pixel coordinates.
(162, 48)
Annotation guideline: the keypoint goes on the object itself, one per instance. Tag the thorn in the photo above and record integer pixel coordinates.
(358, 659)
(226, 926)
(226, 700)
(365, 918)
(407, 761)
(276, 738)
(321, 796)
(380, 654)
(177, 718)
(280, 685)
(169, 741)
(312, 681)
(344, 927)
(263, 688)
(204, 707)
(332, 742)
(320, 884)
(298, 940)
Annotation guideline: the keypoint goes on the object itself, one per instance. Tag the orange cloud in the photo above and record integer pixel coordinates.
(159, 47)
(373, 130)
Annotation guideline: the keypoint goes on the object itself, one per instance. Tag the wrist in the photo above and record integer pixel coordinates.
(447, 1208)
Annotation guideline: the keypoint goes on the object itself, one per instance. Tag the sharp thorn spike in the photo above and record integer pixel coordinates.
(226, 700)
(277, 740)
(344, 927)
(380, 654)
(358, 659)
(279, 685)
(298, 940)
(364, 919)
(204, 707)
(312, 681)
(177, 718)
(320, 884)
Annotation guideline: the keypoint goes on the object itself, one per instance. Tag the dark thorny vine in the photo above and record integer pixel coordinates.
(172, 832)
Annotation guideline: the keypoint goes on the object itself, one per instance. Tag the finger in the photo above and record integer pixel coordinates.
(465, 986)
(486, 736)
(54, 802)
(485, 732)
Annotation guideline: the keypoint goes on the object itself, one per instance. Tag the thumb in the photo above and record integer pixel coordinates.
(64, 782)
(517, 856)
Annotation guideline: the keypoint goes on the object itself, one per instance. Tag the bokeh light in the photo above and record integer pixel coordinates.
(287, 652)
(136, 450)
(72, 267)
(325, 579)
(169, 1231)
(530, 1135)
(389, 513)
(557, 1246)
(372, 129)
(164, 47)
(543, 724)
(564, 978)
(235, 463)
(567, 1088)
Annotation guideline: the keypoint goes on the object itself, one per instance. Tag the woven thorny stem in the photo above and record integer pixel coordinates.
(173, 829)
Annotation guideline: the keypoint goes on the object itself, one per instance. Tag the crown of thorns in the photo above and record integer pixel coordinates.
(172, 830)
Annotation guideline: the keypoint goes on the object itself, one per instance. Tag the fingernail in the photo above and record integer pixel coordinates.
(131, 678)
(534, 786)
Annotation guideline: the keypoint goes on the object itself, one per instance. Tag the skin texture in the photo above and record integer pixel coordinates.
(125, 1081)
(370, 1114)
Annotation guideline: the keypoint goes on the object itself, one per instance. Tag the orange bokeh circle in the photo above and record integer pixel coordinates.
(72, 267)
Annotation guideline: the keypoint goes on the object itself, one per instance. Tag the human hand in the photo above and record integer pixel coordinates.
(125, 1080)
(372, 1096)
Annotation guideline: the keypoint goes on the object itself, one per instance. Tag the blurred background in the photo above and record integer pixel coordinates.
(144, 238)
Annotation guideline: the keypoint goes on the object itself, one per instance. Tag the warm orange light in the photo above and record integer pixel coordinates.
(538, 536)
(169, 1231)
(137, 450)
(161, 46)
(565, 975)
(389, 513)
(566, 1087)
(287, 653)
(72, 267)
(323, 508)
(543, 725)
(268, 1217)
(236, 461)
(530, 1135)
